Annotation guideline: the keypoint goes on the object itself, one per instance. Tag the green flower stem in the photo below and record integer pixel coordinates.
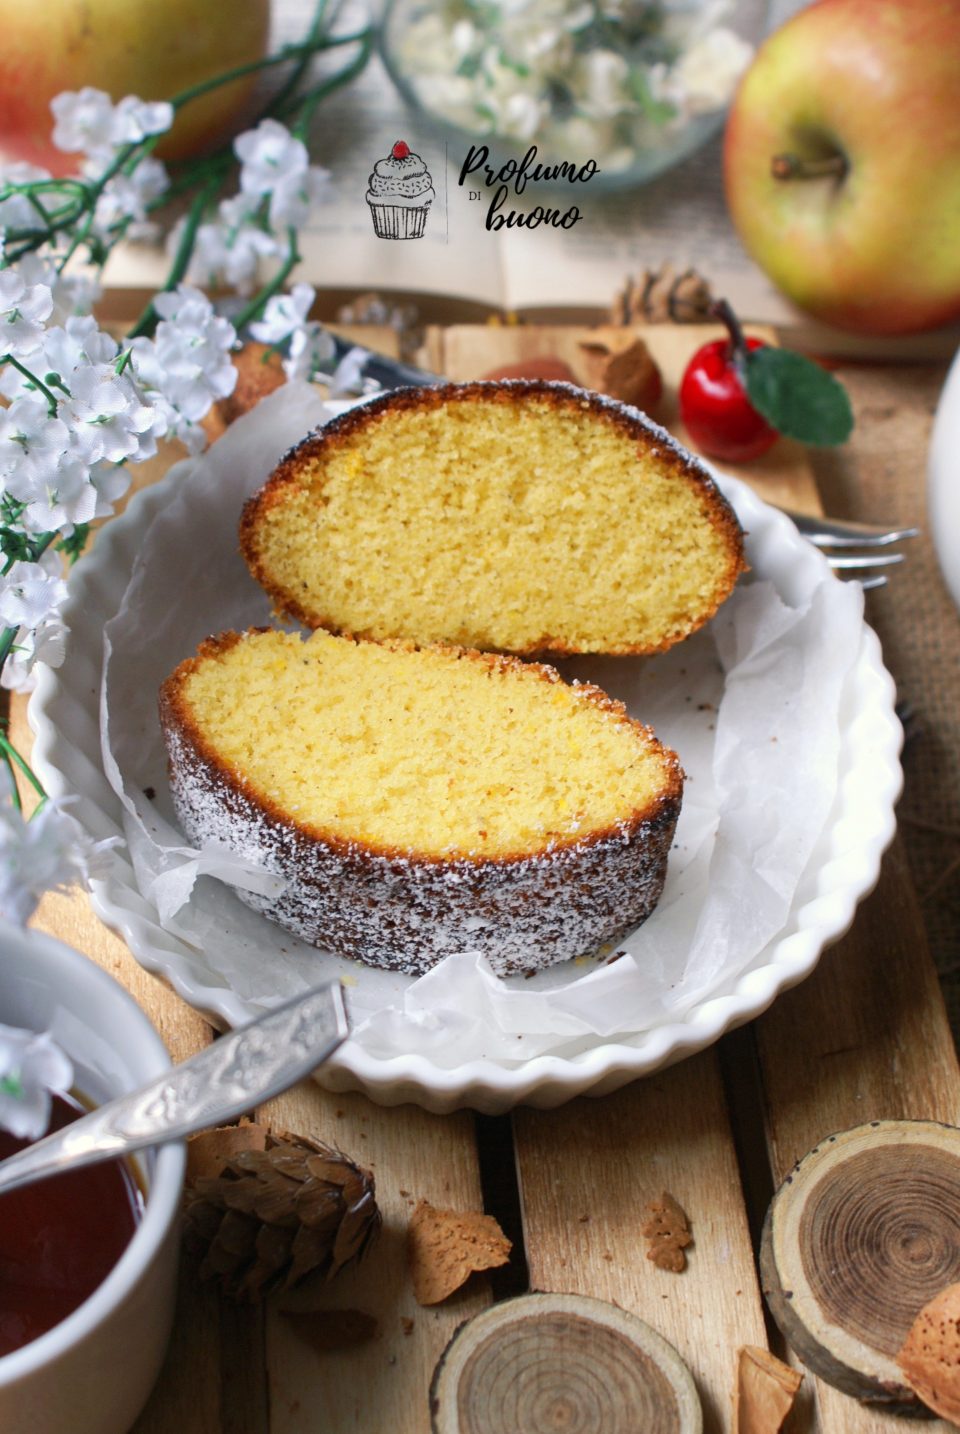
(304, 50)
(292, 83)
(147, 321)
(313, 97)
(13, 759)
(258, 302)
(48, 394)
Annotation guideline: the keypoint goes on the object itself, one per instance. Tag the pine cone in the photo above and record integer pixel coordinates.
(664, 296)
(266, 1209)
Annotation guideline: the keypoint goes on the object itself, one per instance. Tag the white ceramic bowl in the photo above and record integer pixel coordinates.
(92, 1373)
(943, 481)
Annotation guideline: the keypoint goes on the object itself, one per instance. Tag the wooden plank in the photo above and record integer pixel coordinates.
(384, 1384)
(866, 1037)
(587, 1172)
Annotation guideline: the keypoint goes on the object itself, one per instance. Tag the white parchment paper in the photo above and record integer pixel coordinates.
(751, 704)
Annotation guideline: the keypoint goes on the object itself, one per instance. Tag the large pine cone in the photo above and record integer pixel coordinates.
(266, 1209)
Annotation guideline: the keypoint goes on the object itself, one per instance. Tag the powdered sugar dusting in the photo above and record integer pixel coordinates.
(407, 914)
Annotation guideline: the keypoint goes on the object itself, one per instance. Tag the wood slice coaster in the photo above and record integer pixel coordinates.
(547, 1362)
(862, 1234)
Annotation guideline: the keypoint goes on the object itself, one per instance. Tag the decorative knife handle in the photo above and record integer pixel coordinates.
(226, 1079)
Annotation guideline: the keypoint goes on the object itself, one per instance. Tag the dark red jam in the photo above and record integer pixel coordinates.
(60, 1238)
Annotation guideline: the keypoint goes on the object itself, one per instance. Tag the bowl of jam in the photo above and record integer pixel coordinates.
(88, 1259)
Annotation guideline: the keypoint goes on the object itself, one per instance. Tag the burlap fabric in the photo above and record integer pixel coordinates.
(881, 477)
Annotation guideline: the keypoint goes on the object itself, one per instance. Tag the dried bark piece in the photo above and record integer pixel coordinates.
(668, 1231)
(445, 1247)
(862, 1234)
(333, 1329)
(545, 1362)
(765, 1391)
(618, 363)
(930, 1356)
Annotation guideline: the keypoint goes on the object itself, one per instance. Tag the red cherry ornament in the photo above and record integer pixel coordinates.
(713, 402)
(401, 149)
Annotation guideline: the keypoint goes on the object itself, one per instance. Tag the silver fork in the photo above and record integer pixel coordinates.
(833, 533)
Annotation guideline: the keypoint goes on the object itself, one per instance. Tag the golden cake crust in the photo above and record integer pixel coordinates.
(404, 910)
(628, 421)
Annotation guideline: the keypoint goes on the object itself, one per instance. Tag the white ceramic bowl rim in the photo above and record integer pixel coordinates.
(163, 1197)
(67, 755)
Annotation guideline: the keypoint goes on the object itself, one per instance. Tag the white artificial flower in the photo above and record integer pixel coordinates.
(136, 118)
(73, 294)
(228, 252)
(105, 413)
(85, 121)
(110, 481)
(69, 346)
(88, 122)
(274, 163)
(283, 314)
(599, 84)
(49, 852)
(127, 196)
(32, 1068)
(46, 644)
(32, 444)
(311, 350)
(515, 115)
(23, 310)
(347, 379)
(294, 196)
(268, 154)
(30, 593)
(17, 211)
(58, 498)
(707, 73)
(186, 366)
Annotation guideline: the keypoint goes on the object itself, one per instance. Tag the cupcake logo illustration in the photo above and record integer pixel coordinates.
(400, 194)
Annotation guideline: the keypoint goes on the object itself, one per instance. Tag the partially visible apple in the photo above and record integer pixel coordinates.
(149, 48)
(857, 104)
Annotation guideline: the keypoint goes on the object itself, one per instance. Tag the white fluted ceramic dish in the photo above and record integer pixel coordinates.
(65, 716)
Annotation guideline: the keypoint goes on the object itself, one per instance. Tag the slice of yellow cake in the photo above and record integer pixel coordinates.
(421, 801)
(518, 516)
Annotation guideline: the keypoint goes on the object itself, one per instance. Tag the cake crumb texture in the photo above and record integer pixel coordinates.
(520, 517)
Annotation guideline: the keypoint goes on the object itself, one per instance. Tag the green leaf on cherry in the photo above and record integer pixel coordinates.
(797, 397)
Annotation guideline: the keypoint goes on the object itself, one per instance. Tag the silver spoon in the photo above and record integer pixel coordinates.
(226, 1079)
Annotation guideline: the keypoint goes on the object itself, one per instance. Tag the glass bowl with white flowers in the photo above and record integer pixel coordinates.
(634, 85)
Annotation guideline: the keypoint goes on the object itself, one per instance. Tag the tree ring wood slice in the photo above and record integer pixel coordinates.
(859, 1237)
(564, 1364)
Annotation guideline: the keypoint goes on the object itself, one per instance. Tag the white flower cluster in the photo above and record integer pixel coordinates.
(278, 188)
(77, 408)
(601, 80)
(90, 124)
(32, 1068)
(47, 853)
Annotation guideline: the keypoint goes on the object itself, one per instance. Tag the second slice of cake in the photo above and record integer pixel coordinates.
(421, 801)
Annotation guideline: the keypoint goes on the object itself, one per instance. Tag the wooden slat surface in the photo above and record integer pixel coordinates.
(866, 1036)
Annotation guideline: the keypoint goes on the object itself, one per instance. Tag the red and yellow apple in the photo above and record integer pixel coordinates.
(150, 48)
(842, 162)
